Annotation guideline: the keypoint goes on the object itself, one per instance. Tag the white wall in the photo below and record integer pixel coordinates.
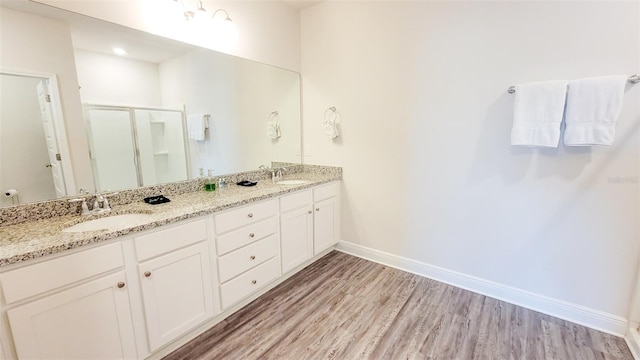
(34, 44)
(429, 174)
(239, 95)
(112, 80)
(268, 31)
(23, 147)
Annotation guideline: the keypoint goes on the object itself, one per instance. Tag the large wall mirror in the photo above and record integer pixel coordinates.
(142, 113)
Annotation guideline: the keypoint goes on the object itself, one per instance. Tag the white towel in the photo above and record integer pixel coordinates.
(538, 110)
(273, 130)
(196, 125)
(593, 107)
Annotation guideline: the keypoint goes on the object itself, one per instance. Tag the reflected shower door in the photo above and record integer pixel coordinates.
(161, 144)
(111, 146)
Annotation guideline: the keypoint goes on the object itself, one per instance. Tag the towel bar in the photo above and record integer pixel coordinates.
(634, 79)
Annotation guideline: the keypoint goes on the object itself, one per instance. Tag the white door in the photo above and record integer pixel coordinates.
(324, 225)
(177, 293)
(90, 321)
(296, 237)
(46, 113)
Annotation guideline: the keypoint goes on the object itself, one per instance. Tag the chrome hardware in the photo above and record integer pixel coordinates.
(253, 257)
(147, 273)
(252, 235)
(120, 284)
(250, 215)
(85, 207)
(633, 79)
(254, 282)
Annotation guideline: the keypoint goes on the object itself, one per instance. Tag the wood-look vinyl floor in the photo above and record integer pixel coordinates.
(344, 307)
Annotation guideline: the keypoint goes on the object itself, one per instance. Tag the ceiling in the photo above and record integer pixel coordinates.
(101, 36)
(302, 4)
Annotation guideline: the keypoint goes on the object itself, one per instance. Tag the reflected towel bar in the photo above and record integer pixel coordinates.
(634, 79)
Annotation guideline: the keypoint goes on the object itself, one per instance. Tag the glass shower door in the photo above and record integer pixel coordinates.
(161, 145)
(111, 146)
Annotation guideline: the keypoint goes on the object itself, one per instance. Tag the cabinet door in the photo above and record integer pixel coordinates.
(177, 293)
(89, 321)
(296, 237)
(325, 228)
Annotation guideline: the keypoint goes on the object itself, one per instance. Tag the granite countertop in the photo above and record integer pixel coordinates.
(34, 239)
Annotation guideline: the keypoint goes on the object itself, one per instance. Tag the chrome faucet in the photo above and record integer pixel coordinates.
(100, 203)
(279, 174)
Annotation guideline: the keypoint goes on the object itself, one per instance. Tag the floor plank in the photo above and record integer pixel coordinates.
(344, 307)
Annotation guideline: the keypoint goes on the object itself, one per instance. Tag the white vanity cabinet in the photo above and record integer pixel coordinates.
(309, 223)
(174, 269)
(247, 249)
(296, 229)
(326, 216)
(145, 294)
(76, 306)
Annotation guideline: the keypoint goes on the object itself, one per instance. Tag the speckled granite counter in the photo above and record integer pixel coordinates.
(33, 239)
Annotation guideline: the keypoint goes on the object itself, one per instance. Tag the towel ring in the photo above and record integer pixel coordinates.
(335, 116)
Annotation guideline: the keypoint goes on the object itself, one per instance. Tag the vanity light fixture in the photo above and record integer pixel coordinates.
(224, 27)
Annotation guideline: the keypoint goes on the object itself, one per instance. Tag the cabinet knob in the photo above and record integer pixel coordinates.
(147, 273)
(254, 282)
(250, 215)
(310, 212)
(317, 209)
(253, 257)
(120, 284)
(252, 235)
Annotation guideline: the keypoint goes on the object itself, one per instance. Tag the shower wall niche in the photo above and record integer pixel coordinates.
(131, 147)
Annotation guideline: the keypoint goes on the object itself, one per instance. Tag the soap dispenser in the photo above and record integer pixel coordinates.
(209, 183)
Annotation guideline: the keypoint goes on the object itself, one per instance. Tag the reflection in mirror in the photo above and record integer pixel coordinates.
(239, 96)
(131, 147)
(31, 169)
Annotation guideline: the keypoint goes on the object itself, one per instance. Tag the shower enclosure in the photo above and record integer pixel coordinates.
(134, 146)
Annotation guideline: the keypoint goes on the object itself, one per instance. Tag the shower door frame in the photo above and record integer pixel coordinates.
(134, 135)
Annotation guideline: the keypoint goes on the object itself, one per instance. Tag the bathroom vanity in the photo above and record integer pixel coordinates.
(143, 291)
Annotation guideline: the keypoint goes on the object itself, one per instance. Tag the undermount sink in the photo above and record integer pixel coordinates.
(110, 223)
(293, 182)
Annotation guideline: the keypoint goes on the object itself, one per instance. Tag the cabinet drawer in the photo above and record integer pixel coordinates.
(246, 235)
(38, 278)
(326, 191)
(171, 238)
(243, 259)
(296, 201)
(247, 215)
(249, 282)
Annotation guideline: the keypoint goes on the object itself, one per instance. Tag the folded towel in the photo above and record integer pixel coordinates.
(196, 125)
(273, 130)
(538, 110)
(331, 130)
(593, 107)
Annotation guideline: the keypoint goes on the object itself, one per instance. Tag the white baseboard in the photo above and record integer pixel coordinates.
(578, 314)
(632, 338)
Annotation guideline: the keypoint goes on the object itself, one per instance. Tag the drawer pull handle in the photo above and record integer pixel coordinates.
(250, 215)
(253, 257)
(252, 235)
(310, 211)
(254, 282)
(120, 284)
(147, 273)
(317, 209)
